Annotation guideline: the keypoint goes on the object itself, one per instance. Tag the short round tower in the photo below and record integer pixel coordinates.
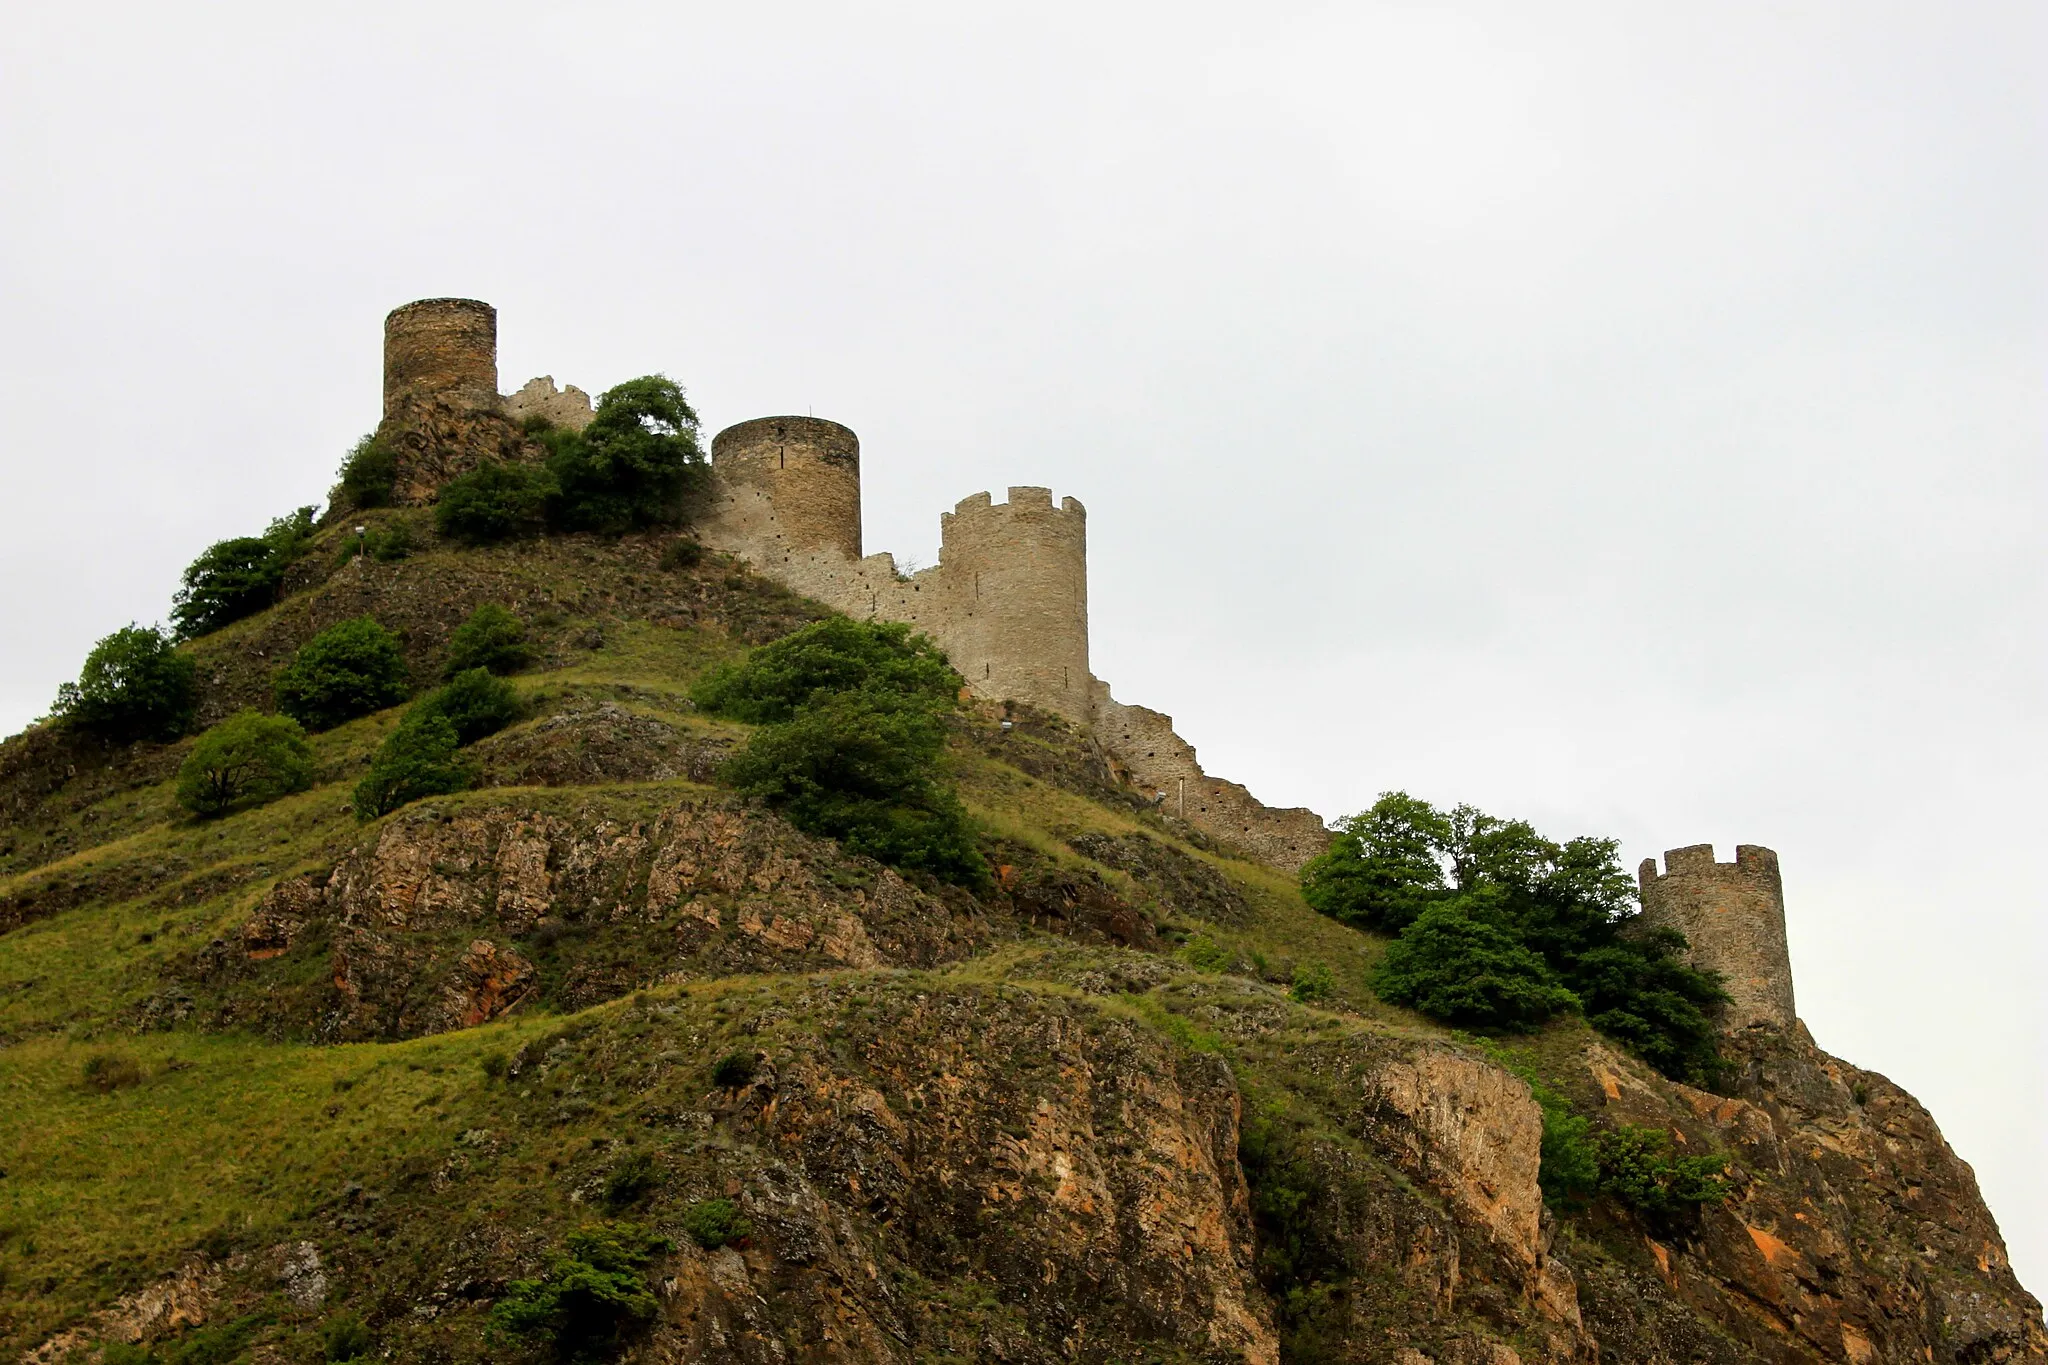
(1733, 918)
(807, 469)
(441, 349)
(1018, 578)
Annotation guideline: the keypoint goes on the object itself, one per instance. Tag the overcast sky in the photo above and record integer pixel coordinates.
(1629, 417)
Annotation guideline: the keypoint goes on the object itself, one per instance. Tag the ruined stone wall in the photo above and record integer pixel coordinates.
(1163, 765)
(1733, 916)
(568, 407)
(444, 350)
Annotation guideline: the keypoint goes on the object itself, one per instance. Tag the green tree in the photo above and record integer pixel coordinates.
(1457, 962)
(633, 465)
(420, 758)
(1638, 1168)
(1384, 866)
(135, 685)
(771, 684)
(345, 671)
(491, 638)
(369, 474)
(249, 757)
(864, 768)
(474, 702)
(239, 577)
(591, 1295)
(494, 502)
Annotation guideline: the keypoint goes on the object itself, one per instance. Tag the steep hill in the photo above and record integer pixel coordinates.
(288, 1086)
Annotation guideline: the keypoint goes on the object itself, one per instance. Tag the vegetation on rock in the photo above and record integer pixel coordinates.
(593, 1293)
(493, 638)
(369, 474)
(420, 759)
(345, 671)
(239, 577)
(475, 703)
(135, 685)
(249, 758)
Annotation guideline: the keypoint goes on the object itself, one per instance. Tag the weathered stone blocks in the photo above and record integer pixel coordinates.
(1733, 916)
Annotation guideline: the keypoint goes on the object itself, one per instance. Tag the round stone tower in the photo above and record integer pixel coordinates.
(1733, 916)
(445, 349)
(1017, 577)
(807, 470)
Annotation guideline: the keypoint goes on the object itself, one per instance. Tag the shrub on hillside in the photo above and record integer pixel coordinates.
(1569, 903)
(771, 684)
(591, 1295)
(495, 502)
(134, 685)
(684, 552)
(346, 1338)
(1637, 1167)
(1458, 964)
(249, 757)
(711, 1223)
(865, 768)
(369, 474)
(474, 702)
(632, 466)
(491, 638)
(345, 671)
(106, 1072)
(421, 758)
(239, 577)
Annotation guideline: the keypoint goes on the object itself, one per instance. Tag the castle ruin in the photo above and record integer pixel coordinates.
(1733, 916)
(1007, 602)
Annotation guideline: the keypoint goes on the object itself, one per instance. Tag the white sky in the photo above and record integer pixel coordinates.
(1628, 417)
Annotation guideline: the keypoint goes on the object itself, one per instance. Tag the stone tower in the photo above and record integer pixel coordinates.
(1733, 916)
(802, 474)
(441, 349)
(1018, 579)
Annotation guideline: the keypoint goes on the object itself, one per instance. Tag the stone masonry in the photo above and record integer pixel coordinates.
(1733, 918)
(1007, 601)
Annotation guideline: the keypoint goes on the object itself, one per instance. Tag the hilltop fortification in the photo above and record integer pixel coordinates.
(1733, 919)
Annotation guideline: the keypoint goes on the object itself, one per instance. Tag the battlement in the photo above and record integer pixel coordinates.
(1733, 919)
(567, 407)
(442, 350)
(802, 474)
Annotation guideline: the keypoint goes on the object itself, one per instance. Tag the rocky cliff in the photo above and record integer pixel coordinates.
(284, 1077)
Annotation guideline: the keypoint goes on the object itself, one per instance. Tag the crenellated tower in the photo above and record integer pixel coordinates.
(1733, 918)
(1017, 580)
(443, 350)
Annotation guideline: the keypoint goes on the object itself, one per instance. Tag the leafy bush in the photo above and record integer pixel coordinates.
(369, 474)
(734, 1070)
(1466, 968)
(1569, 903)
(419, 759)
(771, 684)
(247, 757)
(345, 671)
(1637, 1167)
(631, 1181)
(684, 552)
(491, 638)
(134, 685)
(473, 702)
(1569, 1169)
(712, 1223)
(107, 1072)
(239, 577)
(495, 502)
(864, 769)
(346, 1338)
(1311, 983)
(591, 1295)
(632, 465)
(1205, 954)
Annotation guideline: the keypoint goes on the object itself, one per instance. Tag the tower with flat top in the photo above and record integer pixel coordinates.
(1733, 918)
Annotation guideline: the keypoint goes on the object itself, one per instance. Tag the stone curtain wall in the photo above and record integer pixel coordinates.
(442, 349)
(568, 407)
(1007, 602)
(1163, 764)
(1733, 915)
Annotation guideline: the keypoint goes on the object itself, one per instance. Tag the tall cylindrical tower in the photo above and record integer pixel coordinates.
(1733, 918)
(445, 349)
(1018, 579)
(807, 469)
